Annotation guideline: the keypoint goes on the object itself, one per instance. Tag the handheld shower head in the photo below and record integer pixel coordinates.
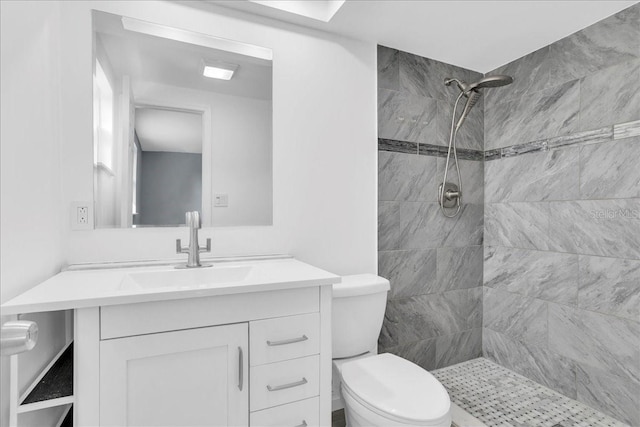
(472, 97)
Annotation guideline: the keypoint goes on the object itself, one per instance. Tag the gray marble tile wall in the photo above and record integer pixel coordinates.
(434, 309)
(583, 82)
(414, 104)
(561, 299)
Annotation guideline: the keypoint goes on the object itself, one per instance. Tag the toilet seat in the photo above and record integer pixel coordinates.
(396, 389)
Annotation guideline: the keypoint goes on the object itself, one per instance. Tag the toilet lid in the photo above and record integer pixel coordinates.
(396, 388)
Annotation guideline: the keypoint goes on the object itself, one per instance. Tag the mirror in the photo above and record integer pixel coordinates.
(182, 121)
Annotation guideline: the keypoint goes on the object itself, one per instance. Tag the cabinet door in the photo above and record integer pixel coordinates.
(194, 377)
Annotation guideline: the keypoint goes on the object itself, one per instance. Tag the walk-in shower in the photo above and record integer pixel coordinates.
(450, 194)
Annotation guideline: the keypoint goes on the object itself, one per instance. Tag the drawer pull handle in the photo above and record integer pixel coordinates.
(290, 341)
(303, 381)
(240, 368)
(304, 424)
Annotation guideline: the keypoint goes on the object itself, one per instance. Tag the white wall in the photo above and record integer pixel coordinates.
(241, 161)
(324, 148)
(30, 222)
(105, 185)
(240, 156)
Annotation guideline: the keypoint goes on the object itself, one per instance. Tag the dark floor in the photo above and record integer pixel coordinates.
(337, 418)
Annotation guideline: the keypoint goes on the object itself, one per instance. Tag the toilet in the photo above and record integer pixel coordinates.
(378, 389)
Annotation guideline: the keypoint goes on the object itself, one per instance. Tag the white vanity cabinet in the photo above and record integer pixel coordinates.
(258, 358)
(246, 342)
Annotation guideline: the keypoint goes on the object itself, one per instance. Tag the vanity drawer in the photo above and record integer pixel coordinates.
(284, 382)
(297, 414)
(160, 316)
(283, 338)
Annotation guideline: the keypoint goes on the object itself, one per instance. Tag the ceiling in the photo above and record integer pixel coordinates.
(168, 130)
(478, 35)
(160, 60)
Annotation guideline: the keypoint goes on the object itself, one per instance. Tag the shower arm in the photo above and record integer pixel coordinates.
(462, 86)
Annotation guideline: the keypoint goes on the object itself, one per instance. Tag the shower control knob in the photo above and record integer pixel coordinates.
(449, 195)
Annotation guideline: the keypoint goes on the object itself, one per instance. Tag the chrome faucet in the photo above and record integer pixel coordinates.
(194, 249)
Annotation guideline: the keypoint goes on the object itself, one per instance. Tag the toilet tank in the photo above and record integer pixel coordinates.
(357, 312)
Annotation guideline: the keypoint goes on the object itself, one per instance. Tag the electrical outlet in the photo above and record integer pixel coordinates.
(81, 213)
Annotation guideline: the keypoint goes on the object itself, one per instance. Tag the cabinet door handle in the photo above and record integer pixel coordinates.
(289, 341)
(303, 381)
(240, 368)
(304, 424)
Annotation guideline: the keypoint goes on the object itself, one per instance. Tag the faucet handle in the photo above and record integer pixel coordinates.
(179, 248)
(192, 219)
(206, 248)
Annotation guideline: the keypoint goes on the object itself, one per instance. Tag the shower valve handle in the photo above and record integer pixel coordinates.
(450, 195)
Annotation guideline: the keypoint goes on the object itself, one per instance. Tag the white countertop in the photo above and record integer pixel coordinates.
(108, 286)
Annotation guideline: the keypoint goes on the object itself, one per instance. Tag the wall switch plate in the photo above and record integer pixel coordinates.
(81, 216)
(220, 200)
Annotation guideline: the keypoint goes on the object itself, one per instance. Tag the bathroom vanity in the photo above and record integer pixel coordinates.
(240, 343)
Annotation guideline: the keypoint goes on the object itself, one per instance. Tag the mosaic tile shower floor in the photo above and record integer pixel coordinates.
(500, 397)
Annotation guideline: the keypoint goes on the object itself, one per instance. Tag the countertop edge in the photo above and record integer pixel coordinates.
(9, 310)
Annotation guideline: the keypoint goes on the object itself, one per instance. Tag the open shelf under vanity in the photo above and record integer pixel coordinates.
(53, 387)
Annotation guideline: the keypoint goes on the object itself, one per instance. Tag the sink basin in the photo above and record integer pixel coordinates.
(188, 278)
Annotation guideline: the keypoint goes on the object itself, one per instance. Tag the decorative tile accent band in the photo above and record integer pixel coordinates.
(397, 146)
(626, 130)
(529, 147)
(426, 149)
(493, 154)
(441, 151)
(582, 138)
(605, 134)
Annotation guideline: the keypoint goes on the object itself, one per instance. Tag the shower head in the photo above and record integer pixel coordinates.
(490, 81)
(485, 82)
(472, 91)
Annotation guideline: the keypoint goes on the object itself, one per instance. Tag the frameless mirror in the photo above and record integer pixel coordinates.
(182, 121)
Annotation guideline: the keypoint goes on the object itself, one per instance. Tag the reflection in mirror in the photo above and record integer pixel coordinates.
(167, 166)
(182, 122)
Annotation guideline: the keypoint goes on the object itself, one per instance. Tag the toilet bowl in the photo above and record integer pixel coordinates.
(384, 389)
(387, 390)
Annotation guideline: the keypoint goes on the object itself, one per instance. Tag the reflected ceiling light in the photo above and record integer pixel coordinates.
(198, 39)
(218, 70)
(320, 10)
